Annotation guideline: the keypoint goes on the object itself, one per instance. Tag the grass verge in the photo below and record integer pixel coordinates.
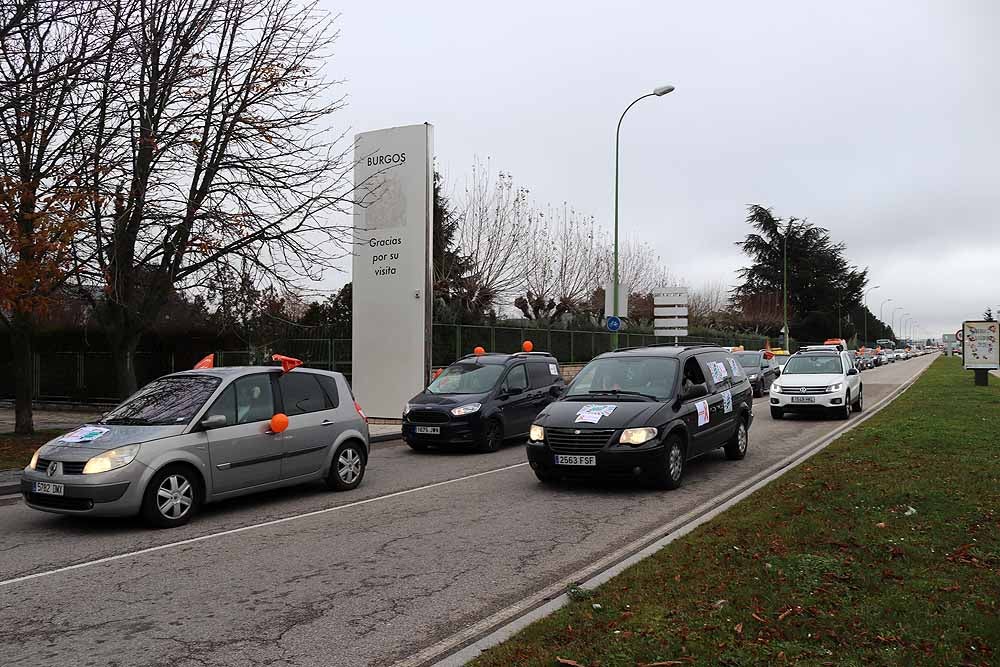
(16, 450)
(884, 549)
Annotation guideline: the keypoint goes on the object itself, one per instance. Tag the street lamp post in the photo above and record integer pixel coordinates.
(881, 313)
(892, 319)
(658, 92)
(864, 305)
(784, 273)
(902, 327)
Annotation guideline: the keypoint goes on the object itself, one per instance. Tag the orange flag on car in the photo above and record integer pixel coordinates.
(287, 363)
(207, 362)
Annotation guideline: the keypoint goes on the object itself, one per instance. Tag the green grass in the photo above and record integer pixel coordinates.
(884, 549)
(16, 450)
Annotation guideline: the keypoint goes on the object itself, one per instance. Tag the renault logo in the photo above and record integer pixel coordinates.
(51, 470)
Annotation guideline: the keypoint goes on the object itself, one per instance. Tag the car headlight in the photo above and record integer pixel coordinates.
(466, 409)
(835, 387)
(536, 434)
(637, 436)
(406, 409)
(109, 460)
(753, 376)
(34, 459)
(776, 388)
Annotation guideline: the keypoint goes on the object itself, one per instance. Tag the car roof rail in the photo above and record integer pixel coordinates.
(687, 346)
(533, 354)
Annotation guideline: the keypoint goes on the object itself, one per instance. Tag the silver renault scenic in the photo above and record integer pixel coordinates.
(200, 436)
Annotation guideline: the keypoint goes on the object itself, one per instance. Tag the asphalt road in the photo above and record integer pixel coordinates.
(429, 551)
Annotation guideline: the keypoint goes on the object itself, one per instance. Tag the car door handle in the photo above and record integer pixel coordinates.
(327, 422)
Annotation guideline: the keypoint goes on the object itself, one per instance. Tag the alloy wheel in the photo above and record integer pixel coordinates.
(676, 462)
(174, 496)
(349, 465)
(742, 438)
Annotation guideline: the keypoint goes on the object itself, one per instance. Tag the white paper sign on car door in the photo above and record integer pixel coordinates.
(702, 407)
(727, 401)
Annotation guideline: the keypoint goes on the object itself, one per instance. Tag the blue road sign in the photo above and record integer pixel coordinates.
(614, 323)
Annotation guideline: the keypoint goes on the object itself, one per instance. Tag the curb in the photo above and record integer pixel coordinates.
(385, 437)
(7, 488)
(467, 644)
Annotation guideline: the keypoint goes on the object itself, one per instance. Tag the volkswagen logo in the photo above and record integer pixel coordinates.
(52, 469)
(802, 390)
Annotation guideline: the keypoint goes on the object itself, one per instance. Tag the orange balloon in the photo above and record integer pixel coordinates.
(479, 350)
(527, 346)
(279, 422)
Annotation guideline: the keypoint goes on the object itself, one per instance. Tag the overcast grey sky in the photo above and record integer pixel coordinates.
(878, 121)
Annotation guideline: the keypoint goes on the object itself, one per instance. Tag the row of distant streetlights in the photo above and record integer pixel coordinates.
(660, 92)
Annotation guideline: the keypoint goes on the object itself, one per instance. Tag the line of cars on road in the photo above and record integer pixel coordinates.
(640, 414)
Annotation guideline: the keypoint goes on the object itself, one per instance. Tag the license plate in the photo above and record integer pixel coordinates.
(428, 430)
(803, 399)
(49, 488)
(573, 460)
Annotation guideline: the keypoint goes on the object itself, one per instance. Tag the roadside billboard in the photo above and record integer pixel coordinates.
(391, 277)
(980, 350)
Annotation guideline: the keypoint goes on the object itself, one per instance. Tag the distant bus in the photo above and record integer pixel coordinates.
(886, 343)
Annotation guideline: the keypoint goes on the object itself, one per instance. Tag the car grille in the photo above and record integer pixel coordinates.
(68, 467)
(427, 417)
(59, 502)
(577, 441)
(799, 390)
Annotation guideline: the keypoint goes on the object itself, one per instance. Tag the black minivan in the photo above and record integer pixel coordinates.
(482, 400)
(642, 413)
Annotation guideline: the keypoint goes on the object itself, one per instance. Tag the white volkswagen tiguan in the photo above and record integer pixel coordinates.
(818, 380)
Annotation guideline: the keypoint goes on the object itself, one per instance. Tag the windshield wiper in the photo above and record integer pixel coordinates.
(622, 392)
(127, 421)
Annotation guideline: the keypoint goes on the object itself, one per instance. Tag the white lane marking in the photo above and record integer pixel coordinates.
(255, 526)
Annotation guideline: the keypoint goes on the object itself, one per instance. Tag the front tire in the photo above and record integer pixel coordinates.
(172, 497)
(673, 469)
(777, 413)
(859, 404)
(758, 390)
(493, 438)
(736, 448)
(845, 412)
(347, 468)
(545, 476)
(416, 446)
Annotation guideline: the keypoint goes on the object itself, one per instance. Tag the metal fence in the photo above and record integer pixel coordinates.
(86, 376)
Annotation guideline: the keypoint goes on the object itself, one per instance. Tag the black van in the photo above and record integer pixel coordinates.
(642, 413)
(482, 400)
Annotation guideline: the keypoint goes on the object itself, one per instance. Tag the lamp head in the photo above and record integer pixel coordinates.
(663, 90)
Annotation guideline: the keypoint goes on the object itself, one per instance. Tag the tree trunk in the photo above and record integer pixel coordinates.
(24, 379)
(123, 358)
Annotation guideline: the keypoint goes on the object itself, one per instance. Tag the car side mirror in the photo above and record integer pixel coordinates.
(556, 390)
(214, 421)
(514, 391)
(853, 371)
(695, 391)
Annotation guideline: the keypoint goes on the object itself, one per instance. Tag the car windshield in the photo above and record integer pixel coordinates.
(466, 379)
(649, 376)
(748, 359)
(169, 400)
(814, 365)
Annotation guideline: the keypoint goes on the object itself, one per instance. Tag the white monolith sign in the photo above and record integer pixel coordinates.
(392, 297)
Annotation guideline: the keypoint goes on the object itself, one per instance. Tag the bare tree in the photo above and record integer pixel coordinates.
(640, 269)
(493, 216)
(707, 303)
(45, 48)
(562, 264)
(210, 157)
